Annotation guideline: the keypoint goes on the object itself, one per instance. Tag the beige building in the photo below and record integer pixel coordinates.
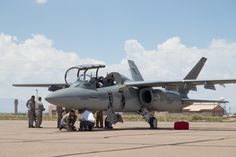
(209, 109)
(52, 110)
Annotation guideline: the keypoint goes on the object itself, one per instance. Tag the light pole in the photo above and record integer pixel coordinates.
(16, 105)
(37, 94)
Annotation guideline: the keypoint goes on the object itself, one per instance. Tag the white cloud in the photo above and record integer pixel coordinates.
(171, 44)
(172, 59)
(41, 1)
(36, 60)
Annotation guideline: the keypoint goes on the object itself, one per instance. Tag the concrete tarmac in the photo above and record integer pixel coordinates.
(128, 139)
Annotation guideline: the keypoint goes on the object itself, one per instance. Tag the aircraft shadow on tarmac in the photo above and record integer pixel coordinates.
(162, 128)
(124, 129)
(119, 129)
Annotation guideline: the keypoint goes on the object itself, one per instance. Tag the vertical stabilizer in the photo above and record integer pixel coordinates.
(136, 75)
(193, 74)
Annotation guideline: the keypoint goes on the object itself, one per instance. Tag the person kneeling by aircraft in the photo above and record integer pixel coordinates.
(68, 121)
(87, 120)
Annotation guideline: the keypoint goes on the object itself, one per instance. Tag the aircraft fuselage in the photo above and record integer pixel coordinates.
(128, 100)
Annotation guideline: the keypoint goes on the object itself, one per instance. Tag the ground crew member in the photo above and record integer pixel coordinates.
(59, 115)
(99, 119)
(68, 121)
(39, 108)
(31, 111)
(87, 120)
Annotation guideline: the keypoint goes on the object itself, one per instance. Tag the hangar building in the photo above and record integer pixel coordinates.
(208, 109)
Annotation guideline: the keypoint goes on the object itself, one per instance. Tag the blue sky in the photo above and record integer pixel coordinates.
(98, 28)
(165, 38)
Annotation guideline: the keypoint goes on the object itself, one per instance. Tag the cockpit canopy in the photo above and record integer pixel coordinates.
(88, 81)
(83, 68)
(84, 77)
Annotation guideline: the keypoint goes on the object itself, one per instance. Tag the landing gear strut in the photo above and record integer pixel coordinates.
(112, 117)
(149, 117)
(153, 122)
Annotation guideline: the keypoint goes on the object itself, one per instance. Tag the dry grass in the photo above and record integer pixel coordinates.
(135, 117)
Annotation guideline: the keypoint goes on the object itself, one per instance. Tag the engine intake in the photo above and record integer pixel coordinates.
(146, 96)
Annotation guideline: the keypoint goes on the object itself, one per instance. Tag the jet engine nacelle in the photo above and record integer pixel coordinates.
(155, 99)
(146, 96)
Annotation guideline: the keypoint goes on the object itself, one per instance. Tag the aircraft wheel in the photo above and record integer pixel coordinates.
(90, 128)
(153, 122)
(108, 125)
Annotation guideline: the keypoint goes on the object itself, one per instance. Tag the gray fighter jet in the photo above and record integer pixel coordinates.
(116, 93)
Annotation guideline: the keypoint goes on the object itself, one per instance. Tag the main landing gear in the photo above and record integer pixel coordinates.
(153, 122)
(149, 117)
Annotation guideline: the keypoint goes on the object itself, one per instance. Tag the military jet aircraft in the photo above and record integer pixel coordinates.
(117, 93)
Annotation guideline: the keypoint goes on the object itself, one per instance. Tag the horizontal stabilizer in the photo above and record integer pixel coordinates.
(186, 100)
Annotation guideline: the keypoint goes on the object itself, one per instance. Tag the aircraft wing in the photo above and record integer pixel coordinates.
(51, 87)
(188, 84)
(39, 85)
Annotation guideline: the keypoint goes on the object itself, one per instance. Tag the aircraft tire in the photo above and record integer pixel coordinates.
(153, 122)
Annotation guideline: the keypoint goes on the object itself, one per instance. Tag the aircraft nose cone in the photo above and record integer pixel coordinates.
(61, 97)
(51, 98)
(67, 96)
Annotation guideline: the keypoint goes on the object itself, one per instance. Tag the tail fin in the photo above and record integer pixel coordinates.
(136, 75)
(192, 75)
